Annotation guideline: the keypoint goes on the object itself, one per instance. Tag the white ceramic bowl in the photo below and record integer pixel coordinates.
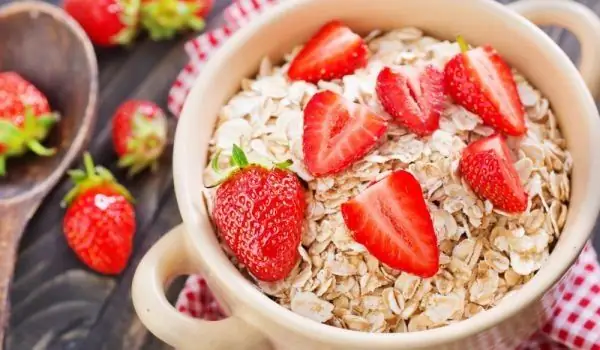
(257, 322)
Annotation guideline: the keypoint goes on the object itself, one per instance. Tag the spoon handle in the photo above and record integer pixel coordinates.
(13, 224)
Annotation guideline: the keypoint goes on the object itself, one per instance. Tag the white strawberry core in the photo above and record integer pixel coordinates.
(492, 82)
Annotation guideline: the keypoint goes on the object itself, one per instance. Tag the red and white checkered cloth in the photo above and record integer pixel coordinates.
(574, 302)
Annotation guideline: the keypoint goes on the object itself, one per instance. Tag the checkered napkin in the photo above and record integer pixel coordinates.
(575, 302)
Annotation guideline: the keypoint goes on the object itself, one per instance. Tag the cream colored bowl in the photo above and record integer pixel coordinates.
(257, 322)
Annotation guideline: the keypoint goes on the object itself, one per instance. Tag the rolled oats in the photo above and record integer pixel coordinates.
(485, 255)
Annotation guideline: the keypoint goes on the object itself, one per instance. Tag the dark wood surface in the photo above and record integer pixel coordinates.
(57, 302)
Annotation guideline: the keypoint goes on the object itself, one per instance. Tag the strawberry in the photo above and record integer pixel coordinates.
(139, 131)
(259, 214)
(25, 118)
(100, 220)
(331, 53)
(165, 18)
(106, 22)
(487, 166)
(415, 98)
(337, 133)
(390, 218)
(480, 81)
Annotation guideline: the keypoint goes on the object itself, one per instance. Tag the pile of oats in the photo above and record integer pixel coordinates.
(486, 255)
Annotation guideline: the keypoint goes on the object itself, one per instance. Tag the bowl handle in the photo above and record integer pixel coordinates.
(579, 20)
(167, 259)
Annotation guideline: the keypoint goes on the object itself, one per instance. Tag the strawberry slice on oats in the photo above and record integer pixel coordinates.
(334, 51)
(414, 97)
(337, 133)
(391, 220)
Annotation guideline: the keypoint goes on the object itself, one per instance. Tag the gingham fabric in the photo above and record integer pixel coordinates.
(574, 303)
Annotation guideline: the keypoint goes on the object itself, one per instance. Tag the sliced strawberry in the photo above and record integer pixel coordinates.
(414, 97)
(482, 82)
(487, 166)
(391, 220)
(337, 133)
(331, 53)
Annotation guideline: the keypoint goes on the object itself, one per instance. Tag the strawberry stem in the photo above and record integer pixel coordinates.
(88, 163)
(462, 43)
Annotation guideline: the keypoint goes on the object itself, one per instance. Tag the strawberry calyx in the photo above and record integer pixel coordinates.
(129, 17)
(147, 143)
(90, 178)
(238, 162)
(16, 140)
(462, 43)
(165, 18)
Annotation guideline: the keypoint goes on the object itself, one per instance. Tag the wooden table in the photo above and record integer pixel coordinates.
(57, 302)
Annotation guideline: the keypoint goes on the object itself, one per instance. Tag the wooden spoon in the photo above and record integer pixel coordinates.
(47, 47)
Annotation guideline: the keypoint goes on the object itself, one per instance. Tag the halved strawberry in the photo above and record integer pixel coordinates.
(480, 80)
(337, 133)
(487, 166)
(414, 97)
(391, 220)
(331, 53)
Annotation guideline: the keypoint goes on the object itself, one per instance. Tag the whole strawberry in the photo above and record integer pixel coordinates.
(480, 81)
(259, 214)
(100, 220)
(106, 22)
(25, 118)
(163, 19)
(139, 132)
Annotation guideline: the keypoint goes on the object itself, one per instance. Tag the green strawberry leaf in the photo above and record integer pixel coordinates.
(238, 157)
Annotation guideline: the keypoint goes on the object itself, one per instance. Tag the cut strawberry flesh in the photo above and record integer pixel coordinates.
(414, 98)
(331, 53)
(391, 220)
(494, 82)
(337, 133)
(487, 166)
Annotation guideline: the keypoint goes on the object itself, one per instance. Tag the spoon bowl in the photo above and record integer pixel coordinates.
(47, 47)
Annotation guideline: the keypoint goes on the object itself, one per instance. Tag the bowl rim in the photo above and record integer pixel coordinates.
(260, 303)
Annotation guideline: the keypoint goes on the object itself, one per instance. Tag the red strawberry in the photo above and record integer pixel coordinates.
(106, 22)
(139, 131)
(100, 221)
(487, 166)
(482, 82)
(331, 53)
(259, 214)
(25, 118)
(165, 18)
(415, 98)
(337, 133)
(391, 220)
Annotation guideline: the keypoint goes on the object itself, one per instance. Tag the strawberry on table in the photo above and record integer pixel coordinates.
(480, 80)
(334, 51)
(25, 118)
(106, 22)
(414, 97)
(487, 166)
(100, 220)
(259, 213)
(390, 218)
(139, 132)
(337, 133)
(163, 19)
